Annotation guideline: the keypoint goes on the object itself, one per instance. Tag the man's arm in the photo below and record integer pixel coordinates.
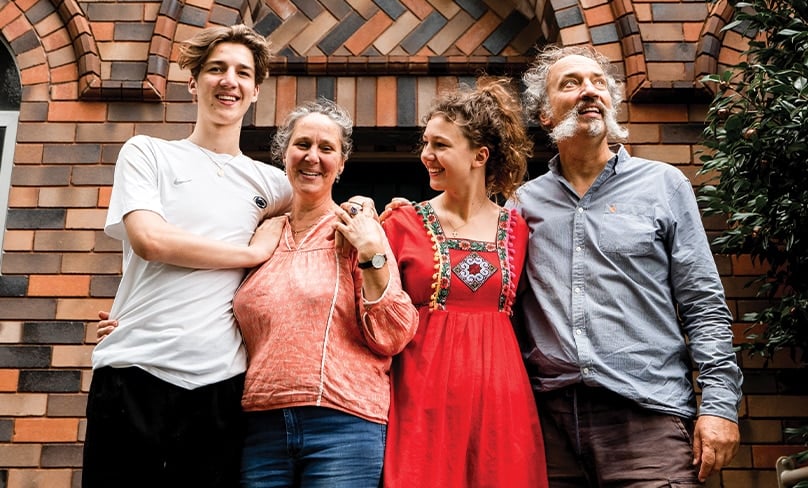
(707, 321)
(154, 239)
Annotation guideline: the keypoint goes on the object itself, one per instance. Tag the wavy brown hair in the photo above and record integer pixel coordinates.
(490, 115)
(195, 51)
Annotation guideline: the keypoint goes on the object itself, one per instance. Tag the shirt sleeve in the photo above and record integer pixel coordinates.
(706, 319)
(135, 185)
(390, 322)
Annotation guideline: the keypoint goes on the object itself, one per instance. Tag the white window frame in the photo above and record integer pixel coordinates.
(8, 120)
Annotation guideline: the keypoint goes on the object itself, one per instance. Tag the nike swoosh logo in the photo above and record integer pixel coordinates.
(179, 181)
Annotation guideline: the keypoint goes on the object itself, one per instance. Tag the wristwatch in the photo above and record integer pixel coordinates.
(376, 262)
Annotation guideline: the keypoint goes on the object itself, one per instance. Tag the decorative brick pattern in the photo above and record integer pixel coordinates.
(307, 43)
(96, 73)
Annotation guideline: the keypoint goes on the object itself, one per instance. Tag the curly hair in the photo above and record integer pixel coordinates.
(490, 115)
(340, 116)
(195, 51)
(536, 101)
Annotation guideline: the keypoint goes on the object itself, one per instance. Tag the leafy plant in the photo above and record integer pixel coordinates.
(757, 141)
(756, 138)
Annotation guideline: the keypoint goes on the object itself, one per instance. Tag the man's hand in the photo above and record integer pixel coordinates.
(715, 442)
(267, 237)
(105, 326)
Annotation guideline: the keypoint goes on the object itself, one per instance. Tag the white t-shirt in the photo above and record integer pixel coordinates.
(177, 323)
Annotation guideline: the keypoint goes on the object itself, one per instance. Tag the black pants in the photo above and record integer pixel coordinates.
(143, 432)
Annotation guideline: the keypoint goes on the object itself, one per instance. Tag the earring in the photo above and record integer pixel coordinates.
(336, 180)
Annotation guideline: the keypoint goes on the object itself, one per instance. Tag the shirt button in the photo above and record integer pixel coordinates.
(578, 332)
(585, 370)
(577, 248)
(576, 290)
(580, 210)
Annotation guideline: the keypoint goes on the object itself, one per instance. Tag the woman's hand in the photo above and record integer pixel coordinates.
(354, 206)
(395, 203)
(358, 226)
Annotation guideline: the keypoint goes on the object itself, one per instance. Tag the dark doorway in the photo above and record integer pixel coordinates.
(386, 163)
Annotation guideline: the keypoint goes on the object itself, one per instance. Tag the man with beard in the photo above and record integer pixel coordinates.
(623, 295)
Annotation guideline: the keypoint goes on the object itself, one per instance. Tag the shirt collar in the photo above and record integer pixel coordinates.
(615, 164)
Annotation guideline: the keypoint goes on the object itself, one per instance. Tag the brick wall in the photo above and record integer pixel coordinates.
(96, 73)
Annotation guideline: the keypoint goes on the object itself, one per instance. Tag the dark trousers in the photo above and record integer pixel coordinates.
(144, 432)
(595, 438)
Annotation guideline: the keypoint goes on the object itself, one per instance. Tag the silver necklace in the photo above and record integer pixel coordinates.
(219, 165)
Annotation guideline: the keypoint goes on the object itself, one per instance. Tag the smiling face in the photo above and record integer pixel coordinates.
(579, 99)
(447, 155)
(314, 158)
(225, 86)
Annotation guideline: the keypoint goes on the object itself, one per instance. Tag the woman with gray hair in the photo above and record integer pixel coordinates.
(320, 324)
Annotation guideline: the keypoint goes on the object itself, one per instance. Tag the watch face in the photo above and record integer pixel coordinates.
(378, 260)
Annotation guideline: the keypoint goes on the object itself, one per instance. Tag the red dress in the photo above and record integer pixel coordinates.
(462, 412)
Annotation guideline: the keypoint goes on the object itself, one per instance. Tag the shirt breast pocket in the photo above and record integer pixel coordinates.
(627, 229)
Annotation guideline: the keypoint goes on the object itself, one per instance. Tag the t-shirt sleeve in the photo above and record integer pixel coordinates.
(136, 185)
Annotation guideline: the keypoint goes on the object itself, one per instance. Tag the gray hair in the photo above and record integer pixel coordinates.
(340, 116)
(535, 98)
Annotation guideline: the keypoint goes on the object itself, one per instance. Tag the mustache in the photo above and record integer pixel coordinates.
(568, 126)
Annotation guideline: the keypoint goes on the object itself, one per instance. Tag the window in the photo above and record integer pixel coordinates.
(10, 97)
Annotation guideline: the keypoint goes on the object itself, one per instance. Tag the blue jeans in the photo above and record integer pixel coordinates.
(311, 447)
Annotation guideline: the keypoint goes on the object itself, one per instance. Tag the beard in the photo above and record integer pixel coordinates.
(568, 126)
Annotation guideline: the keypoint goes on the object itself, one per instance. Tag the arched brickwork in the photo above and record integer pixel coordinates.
(85, 50)
(92, 77)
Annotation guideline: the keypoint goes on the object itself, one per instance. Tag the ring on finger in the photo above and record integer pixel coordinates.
(353, 210)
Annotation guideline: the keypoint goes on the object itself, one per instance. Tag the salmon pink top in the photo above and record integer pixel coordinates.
(311, 339)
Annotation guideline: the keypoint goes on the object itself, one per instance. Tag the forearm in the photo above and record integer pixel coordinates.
(154, 239)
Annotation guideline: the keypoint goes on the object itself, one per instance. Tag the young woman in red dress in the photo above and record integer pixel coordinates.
(462, 412)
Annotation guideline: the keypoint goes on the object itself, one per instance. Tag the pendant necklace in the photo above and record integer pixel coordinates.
(219, 165)
(455, 229)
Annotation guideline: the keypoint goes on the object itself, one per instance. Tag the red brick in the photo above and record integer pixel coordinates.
(368, 33)
(599, 15)
(71, 111)
(64, 73)
(286, 97)
(748, 479)
(766, 456)
(743, 266)
(35, 74)
(45, 430)
(104, 194)
(72, 356)
(18, 240)
(34, 478)
(478, 32)
(17, 27)
(23, 197)
(28, 154)
(81, 309)
(657, 113)
(65, 91)
(8, 13)
(103, 31)
(20, 455)
(8, 380)
(90, 263)
(419, 7)
(386, 101)
(78, 218)
(59, 285)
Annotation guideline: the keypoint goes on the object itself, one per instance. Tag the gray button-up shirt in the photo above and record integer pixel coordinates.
(624, 292)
